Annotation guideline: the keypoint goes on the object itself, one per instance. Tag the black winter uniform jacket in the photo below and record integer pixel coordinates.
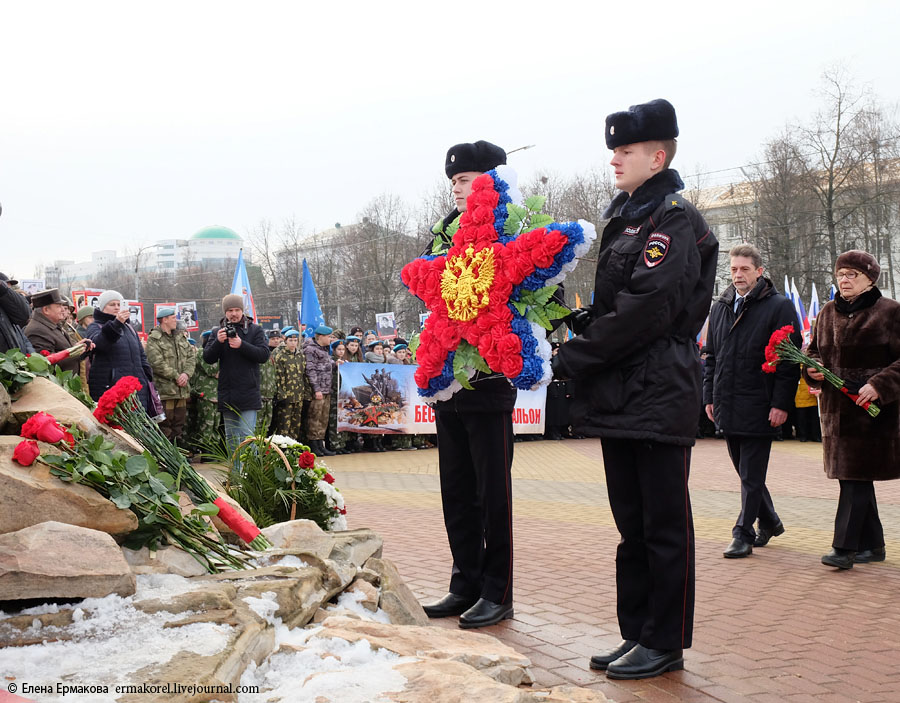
(636, 365)
(238, 368)
(733, 381)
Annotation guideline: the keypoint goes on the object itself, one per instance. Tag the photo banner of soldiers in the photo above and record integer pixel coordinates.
(385, 326)
(186, 312)
(382, 399)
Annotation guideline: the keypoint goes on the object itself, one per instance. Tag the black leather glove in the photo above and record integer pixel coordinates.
(556, 367)
(578, 319)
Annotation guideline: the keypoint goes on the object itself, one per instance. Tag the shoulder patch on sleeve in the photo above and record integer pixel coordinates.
(674, 202)
(656, 249)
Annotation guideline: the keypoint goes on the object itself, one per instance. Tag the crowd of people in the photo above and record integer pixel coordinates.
(238, 381)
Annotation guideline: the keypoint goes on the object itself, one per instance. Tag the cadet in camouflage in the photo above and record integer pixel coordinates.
(290, 368)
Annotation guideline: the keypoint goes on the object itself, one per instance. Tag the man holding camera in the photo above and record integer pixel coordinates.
(240, 347)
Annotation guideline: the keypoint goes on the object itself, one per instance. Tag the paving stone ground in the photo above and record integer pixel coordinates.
(777, 626)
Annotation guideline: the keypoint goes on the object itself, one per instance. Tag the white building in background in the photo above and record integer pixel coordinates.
(212, 246)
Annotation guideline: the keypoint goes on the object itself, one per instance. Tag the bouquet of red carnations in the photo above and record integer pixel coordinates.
(119, 408)
(781, 348)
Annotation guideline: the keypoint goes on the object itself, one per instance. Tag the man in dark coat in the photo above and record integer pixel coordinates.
(14, 315)
(239, 346)
(637, 371)
(475, 451)
(747, 404)
(45, 328)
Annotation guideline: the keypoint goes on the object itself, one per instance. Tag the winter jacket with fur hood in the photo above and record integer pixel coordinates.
(742, 394)
(860, 342)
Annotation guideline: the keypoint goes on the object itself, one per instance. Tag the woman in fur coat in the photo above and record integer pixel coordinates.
(857, 336)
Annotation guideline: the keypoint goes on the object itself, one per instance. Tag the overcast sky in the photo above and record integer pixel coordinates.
(122, 123)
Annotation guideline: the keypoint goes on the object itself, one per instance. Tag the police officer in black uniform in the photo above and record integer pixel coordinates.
(638, 370)
(475, 450)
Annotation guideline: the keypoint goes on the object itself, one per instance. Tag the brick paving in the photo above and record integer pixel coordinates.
(777, 626)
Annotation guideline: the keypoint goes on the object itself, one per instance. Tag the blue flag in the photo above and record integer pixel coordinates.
(833, 291)
(310, 310)
(241, 286)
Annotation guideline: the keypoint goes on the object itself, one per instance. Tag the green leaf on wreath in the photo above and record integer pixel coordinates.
(535, 202)
(555, 311)
(460, 371)
(543, 295)
(517, 215)
(540, 220)
(537, 315)
(519, 305)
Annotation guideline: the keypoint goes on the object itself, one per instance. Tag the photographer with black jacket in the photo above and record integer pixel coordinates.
(239, 346)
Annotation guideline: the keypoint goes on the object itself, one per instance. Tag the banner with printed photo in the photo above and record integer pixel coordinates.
(32, 285)
(385, 326)
(136, 315)
(86, 297)
(186, 312)
(382, 399)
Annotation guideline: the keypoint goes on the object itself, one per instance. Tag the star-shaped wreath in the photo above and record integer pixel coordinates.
(489, 296)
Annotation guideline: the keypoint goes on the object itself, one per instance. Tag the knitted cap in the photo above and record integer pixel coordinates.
(232, 301)
(861, 261)
(107, 296)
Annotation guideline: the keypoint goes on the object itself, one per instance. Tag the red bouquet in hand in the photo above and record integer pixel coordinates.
(781, 348)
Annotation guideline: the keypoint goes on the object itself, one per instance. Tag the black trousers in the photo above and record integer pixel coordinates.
(750, 456)
(808, 427)
(475, 452)
(651, 504)
(857, 526)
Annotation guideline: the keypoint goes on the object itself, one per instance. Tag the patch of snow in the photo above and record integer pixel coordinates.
(352, 601)
(164, 587)
(110, 640)
(265, 606)
(331, 668)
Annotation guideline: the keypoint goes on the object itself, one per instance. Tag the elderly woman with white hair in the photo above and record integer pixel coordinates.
(857, 336)
(118, 350)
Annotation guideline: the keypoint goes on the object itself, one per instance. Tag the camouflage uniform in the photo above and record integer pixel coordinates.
(203, 415)
(267, 391)
(290, 370)
(337, 440)
(170, 355)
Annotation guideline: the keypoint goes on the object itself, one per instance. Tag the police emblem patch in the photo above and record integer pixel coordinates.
(631, 231)
(656, 249)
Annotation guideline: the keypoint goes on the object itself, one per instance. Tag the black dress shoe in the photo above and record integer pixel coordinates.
(604, 659)
(485, 613)
(451, 604)
(643, 663)
(839, 558)
(763, 535)
(738, 549)
(868, 555)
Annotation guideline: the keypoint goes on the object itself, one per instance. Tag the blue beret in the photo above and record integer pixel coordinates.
(371, 332)
(286, 329)
(371, 345)
(323, 329)
(334, 344)
(206, 334)
(352, 338)
(398, 347)
(164, 312)
(292, 333)
(192, 341)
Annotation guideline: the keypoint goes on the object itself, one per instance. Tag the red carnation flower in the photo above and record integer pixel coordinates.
(26, 452)
(306, 460)
(44, 352)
